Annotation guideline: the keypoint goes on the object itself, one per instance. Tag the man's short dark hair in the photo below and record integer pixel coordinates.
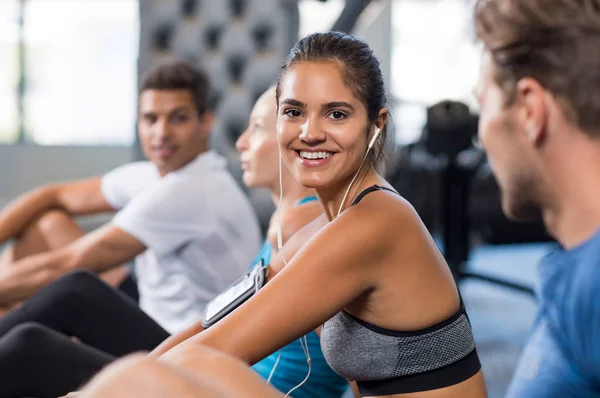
(179, 75)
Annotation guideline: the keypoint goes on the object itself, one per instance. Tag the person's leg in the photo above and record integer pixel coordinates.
(193, 371)
(139, 376)
(128, 286)
(38, 362)
(229, 373)
(52, 230)
(81, 305)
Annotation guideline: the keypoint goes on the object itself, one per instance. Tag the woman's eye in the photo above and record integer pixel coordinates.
(337, 115)
(293, 113)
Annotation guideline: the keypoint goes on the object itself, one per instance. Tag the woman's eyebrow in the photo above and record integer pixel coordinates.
(337, 104)
(293, 102)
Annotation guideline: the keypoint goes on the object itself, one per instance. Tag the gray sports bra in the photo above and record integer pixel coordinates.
(386, 362)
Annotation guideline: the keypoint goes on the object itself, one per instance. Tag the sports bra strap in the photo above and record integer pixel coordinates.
(370, 189)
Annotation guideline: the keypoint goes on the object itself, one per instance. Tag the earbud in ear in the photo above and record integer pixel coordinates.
(531, 131)
(375, 135)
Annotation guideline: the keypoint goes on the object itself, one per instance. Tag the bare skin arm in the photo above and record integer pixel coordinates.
(290, 248)
(354, 388)
(75, 198)
(311, 289)
(292, 221)
(176, 339)
(97, 251)
(309, 284)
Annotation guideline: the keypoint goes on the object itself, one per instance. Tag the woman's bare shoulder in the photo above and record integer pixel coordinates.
(386, 209)
(298, 217)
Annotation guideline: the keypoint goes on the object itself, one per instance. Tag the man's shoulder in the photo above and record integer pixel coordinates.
(213, 183)
(139, 166)
(584, 280)
(123, 183)
(135, 174)
(195, 189)
(573, 274)
(206, 170)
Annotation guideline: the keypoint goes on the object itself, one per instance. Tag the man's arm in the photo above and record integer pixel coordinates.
(74, 198)
(97, 251)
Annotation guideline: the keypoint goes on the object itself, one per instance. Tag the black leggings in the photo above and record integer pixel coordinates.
(37, 356)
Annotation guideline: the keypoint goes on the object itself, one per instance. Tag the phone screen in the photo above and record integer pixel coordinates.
(241, 286)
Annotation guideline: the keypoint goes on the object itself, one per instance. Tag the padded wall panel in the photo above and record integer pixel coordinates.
(239, 43)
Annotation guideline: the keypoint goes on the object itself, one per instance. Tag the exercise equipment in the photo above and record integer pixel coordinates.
(448, 180)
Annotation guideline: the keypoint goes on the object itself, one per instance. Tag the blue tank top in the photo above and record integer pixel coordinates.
(292, 368)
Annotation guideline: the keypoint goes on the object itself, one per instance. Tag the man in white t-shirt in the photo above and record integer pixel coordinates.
(181, 215)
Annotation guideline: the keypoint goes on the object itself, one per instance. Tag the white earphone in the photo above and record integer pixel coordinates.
(371, 143)
(375, 135)
(303, 341)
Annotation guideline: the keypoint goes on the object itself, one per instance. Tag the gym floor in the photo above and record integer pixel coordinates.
(501, 317)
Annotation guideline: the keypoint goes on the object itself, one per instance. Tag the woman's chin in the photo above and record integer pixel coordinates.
(314, 182)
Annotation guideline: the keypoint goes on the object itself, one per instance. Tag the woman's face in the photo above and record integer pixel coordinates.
(258, 145)
(322, 127)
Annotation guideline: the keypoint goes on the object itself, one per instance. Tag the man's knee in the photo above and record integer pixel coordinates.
(52, 221)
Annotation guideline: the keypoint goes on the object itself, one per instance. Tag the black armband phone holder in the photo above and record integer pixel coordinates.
(235, 295)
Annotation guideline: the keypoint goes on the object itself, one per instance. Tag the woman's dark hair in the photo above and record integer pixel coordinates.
(360, 71)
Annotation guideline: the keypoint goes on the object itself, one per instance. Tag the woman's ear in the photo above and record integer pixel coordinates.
(382, 118)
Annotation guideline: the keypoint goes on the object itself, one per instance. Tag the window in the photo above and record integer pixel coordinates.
(318, 16)
(434, 58)
(9, 76)
(80, 72)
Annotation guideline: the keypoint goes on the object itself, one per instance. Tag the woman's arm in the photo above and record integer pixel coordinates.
(290, 248)
(328, 273)
(176, 339)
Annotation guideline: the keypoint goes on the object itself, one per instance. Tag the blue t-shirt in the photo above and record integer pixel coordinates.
(292, 368)
(562, 356)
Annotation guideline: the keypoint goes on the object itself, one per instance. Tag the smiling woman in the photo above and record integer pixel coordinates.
(367, 271)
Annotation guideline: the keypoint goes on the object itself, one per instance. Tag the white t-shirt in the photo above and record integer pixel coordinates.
(199, 229)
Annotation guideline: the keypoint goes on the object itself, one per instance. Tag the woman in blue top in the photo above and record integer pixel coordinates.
(299, 206)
